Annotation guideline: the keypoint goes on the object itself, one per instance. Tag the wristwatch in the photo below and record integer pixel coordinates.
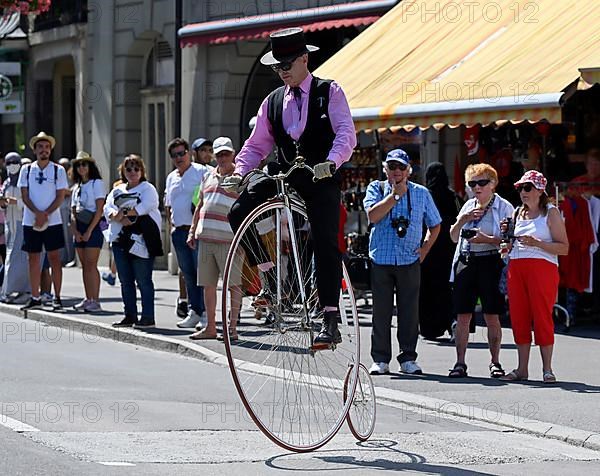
(396, 197)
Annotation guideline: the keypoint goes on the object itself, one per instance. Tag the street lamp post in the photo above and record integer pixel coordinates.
(178, 25)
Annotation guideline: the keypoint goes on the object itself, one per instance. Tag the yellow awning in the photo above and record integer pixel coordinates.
(463, 62)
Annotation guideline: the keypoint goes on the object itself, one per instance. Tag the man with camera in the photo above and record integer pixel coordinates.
(397, 209)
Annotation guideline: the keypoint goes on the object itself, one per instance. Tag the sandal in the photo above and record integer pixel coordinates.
(496, 370)
(513, 376)
(232, 337)
(203, 335)
(459, 371)
(549, 376)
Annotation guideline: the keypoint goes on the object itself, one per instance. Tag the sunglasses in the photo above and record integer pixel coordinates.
(283, 66)
(181, 153)
(132, 169)
(481, 183)
(527, 187)
(396, 165)
(83, 164)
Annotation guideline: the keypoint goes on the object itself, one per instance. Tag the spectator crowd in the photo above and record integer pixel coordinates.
(53, 213)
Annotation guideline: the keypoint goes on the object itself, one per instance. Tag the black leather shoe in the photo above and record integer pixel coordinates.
(126, 322)
(145, 323)
(329, 333)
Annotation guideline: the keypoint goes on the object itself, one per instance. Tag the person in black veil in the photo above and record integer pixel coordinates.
(435, 308)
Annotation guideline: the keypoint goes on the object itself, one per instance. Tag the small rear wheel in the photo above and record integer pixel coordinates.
(361, 416)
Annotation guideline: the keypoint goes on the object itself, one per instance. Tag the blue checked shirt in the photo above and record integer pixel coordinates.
(385, 247)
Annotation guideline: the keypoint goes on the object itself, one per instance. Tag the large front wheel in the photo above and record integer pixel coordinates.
(295, 395)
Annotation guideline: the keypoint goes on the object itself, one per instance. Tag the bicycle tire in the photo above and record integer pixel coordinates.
(363, 411)
(268, 364)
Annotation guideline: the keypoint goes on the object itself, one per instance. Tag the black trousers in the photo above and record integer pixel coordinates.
(323, 209)
(403, 282)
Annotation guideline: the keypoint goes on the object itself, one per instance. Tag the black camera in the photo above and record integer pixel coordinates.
(401, 225)
(468, 233)
(509, 233)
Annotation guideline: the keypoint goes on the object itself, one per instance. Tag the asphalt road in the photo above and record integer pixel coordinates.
(95, 406)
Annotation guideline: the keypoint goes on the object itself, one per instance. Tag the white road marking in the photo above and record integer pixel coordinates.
(15, 425)
(115, 463)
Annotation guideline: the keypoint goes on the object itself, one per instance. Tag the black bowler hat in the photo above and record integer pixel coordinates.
(286, 45)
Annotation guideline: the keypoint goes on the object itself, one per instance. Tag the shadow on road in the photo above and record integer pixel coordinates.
(576, 387)
(342, 462)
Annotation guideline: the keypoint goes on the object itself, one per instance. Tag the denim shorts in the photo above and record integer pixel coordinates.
(96, 238)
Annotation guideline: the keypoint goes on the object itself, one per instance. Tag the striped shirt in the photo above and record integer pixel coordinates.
(213, 225)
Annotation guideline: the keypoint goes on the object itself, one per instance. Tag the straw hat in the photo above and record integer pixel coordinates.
(82, 155)
(42, 136)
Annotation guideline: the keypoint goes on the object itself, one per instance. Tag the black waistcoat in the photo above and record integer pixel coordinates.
(317, 139)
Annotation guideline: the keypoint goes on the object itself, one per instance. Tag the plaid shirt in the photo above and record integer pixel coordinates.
(385, 247)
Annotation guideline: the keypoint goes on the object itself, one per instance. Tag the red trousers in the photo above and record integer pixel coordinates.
(532, 291)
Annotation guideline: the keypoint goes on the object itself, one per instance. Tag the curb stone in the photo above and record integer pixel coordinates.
(92, 330)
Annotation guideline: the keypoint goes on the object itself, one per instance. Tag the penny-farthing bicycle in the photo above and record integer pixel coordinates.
(297, 396)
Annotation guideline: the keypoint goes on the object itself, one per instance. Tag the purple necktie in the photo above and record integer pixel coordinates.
(298, 97)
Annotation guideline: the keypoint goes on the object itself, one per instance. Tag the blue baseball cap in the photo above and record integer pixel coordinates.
(199, 142)
(398, 155)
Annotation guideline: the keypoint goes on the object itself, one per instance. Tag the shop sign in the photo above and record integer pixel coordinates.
(6, 87)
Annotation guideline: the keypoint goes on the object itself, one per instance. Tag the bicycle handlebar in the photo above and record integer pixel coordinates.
(299, 163)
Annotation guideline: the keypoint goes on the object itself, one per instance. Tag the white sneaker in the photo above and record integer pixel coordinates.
(92, 306)
(191, 321)
(80, 306)
(379, 368)
(410, 367)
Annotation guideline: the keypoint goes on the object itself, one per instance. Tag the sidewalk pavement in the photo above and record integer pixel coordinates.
(566, 411)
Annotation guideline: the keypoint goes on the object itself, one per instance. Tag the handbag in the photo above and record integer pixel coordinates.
(85, 216)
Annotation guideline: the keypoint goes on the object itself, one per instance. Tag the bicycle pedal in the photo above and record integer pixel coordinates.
(322, 346)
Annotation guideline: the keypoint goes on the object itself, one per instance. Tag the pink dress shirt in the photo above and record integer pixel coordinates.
(261, 141)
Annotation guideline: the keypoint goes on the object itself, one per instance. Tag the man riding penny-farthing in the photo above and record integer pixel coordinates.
(298, 372)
